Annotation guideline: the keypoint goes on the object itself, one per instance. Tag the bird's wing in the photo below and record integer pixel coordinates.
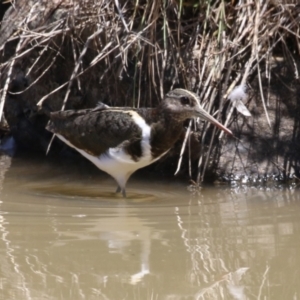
(96, 130)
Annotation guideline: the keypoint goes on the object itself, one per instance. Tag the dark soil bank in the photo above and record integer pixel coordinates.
(81, 53)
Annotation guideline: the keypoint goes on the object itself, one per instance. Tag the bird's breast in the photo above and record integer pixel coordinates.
(136, 145)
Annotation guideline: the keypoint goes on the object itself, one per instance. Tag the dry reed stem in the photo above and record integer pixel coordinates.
(209, 48)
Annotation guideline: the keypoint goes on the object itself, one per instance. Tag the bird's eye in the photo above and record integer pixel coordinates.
(184, 100)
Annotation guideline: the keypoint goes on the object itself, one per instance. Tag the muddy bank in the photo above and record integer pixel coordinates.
(75, 56)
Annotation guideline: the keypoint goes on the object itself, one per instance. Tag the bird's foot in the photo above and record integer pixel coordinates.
(123, 191)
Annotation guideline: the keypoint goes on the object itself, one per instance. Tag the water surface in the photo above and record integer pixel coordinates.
(64, 234)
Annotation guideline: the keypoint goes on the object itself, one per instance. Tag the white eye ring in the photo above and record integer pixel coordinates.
(185, 100)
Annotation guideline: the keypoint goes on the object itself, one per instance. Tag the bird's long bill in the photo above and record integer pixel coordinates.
(202, 114)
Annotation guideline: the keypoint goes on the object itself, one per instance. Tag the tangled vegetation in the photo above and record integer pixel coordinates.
(133, 52)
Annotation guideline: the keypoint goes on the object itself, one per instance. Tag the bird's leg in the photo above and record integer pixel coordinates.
(122, 190)
(121, 181)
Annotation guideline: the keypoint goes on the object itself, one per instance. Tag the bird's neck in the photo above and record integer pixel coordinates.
(165, 130)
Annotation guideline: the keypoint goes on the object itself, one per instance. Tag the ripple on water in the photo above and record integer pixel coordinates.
(91, 194)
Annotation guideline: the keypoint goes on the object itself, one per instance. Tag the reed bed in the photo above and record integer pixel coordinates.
(136, 51)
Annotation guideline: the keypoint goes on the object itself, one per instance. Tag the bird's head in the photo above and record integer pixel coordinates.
(184, 104)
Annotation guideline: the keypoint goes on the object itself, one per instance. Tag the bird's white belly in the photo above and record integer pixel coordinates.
(117, 162)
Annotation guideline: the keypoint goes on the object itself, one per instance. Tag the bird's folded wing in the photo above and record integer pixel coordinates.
(95, 131)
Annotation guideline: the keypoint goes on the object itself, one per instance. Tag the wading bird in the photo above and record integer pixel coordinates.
(120, 140)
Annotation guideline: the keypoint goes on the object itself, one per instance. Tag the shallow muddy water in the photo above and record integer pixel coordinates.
(65, 235)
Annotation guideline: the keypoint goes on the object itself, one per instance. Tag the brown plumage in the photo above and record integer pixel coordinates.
(121, 140)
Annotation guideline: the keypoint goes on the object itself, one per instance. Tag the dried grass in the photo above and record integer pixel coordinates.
(205, 46)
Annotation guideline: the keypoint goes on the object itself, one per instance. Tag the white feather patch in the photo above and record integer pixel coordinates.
(238, 96)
